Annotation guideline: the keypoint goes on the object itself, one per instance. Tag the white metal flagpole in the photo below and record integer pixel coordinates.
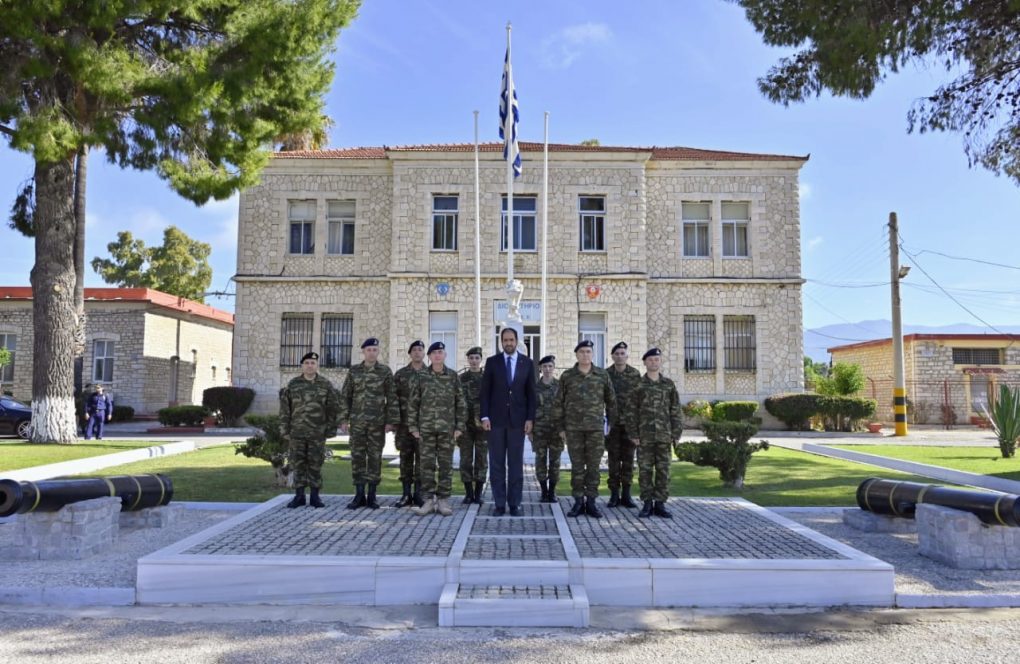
(543, 331)
(478, 245)
(508, 129)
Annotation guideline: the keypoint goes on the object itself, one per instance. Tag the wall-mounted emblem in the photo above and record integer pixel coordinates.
(442, 289)
(592, 291)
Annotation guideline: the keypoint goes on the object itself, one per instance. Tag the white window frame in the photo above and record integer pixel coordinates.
(696, 225)
(8, 340)
(592, 326)
(445, 217)
(732, 228)
(103, 363)
(443, 327)
(521, 217)
(307, 228)
(342, 221)
(591, 226)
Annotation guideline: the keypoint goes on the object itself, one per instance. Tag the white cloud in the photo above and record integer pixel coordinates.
(805, 191)
(562, 48)
(814, 242)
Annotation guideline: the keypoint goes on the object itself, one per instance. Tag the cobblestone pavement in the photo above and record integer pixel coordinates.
(514, 592)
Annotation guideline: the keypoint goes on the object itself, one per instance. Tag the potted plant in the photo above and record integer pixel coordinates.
(874, 427)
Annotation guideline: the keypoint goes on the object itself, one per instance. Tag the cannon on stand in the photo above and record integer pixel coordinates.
(901, 499)
(136, 492)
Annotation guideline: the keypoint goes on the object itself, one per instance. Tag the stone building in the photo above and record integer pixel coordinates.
(949, 377)
(694, 251)
(148, 349)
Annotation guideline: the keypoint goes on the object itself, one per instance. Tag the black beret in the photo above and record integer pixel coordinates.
(651, 352)
(548, 359)
(474, 350)
(437, 345)
(417, 342)
(371, 341)
(310, 356)
(622, 344)
(587, 343)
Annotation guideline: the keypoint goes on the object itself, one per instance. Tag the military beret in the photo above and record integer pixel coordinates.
(651, 352)
(622, 344)
(474, 350)
(436, 345)
(587, 343)
(371, 341)
(310, 356)
(548, 359)
(417, 342)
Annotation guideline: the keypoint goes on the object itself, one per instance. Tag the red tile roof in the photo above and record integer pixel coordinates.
(674, 153)
(927, 337)
(155, 297)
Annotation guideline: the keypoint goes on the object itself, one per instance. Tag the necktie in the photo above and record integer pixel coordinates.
(509, 370)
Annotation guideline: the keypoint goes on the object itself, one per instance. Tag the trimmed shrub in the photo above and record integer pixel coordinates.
(727, 449)
(182, 416)
(268, 445)
(697, 408)
(123, 413)
(734, 411)
(793, 410)
(227, 403)
(841, 413)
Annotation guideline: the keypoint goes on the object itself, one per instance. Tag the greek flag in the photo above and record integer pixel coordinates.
(508, 125)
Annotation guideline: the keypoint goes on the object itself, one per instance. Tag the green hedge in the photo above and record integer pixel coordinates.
(793, 410)
(228, 403)
(697, 408)
(182, 416)
(123, 413)
(845, 413)
(734, 411)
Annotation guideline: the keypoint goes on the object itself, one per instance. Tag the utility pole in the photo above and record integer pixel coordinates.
(899, 382)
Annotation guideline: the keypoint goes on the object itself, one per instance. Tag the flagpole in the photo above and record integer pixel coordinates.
(545, 226)
(478, 245)
(508, 128)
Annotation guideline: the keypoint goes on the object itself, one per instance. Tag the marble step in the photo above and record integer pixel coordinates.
(463, 605)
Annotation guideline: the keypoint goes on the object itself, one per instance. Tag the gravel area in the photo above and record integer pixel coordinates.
(915, 574)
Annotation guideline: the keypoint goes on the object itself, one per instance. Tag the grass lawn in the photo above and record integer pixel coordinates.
(776, 477)
(980, 460)
(17, 454)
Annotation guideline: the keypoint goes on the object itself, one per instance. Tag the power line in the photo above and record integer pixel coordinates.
(962, 258)
(830, 284)
(850, 322)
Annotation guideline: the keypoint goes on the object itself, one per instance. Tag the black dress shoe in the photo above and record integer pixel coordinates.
(370, 501)
(578, 508)
(646, 510)
(660, 510)
(515, 510)
(498, 511)
(591, 509)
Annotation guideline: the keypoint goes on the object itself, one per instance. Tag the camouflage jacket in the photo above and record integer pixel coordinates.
(582, 399)
(403, 383)
(309, 409)
(437, 403)
(653, 412)
(546, 396)
(368, 397)
(624, 383)
(471, 381)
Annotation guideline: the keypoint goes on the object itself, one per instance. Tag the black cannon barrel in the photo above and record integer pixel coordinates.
(135, 492)
(902, 498)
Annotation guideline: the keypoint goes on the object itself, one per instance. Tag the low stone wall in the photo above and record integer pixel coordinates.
(153, 517)
(76, 531)
(961, 540)
(869, 522)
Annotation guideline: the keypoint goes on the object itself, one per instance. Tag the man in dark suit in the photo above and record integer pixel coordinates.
(507, 407)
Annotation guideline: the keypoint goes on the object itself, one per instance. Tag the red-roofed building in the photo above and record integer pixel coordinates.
(148, 348)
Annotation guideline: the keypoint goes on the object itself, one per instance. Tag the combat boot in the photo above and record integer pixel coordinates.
(545, 492)
(660, 510)
(578, 507)
(479, 490)
(552, 491)
(592, 509)
(614, 498)
(443, 507)
(427, 507)
(625, 499)
(405, 499)
(314, 500)
(469, 493)
(416, 498)
(646, 510)
(359, 498)
(298, 500)
(370, 500)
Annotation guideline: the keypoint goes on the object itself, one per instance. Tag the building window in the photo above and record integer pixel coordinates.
(977, 356)
(10, 342)
(295, 338)
(735, 220)
(340, 217)
(337, 340)
(444, 223)
(592, 210)
(443, 327)
(699, 343)
(593, 328)
(980, 389)
(739, 342)
(524, 224)
(696, 224)
(102, 361)
(301, 215)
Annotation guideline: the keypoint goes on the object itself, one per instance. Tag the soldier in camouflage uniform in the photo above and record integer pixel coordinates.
(545, 441)
(437, 416)
(474, 446)
(654, 424)
(369, 408)
(618, 446)
(585, 397)
(308, 416)
(407, 445)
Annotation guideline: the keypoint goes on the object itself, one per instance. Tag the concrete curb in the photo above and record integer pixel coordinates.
(67, 596)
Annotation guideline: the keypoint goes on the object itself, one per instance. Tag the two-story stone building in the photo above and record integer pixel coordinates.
(694, 251)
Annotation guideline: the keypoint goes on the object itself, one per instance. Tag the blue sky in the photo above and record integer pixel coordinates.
(647, 73)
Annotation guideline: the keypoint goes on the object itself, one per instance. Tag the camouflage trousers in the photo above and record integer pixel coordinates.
(653, 469)
(548, 447)
(366, 454)
(410, 456)
(621, 458)
(306, 458)
(585, 449)
(436, 464)
(474, 455)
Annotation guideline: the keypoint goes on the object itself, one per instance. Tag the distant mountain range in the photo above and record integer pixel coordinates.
(816, 340)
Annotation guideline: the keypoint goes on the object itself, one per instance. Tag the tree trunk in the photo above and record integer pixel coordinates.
(80, 177)
(53, 305)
